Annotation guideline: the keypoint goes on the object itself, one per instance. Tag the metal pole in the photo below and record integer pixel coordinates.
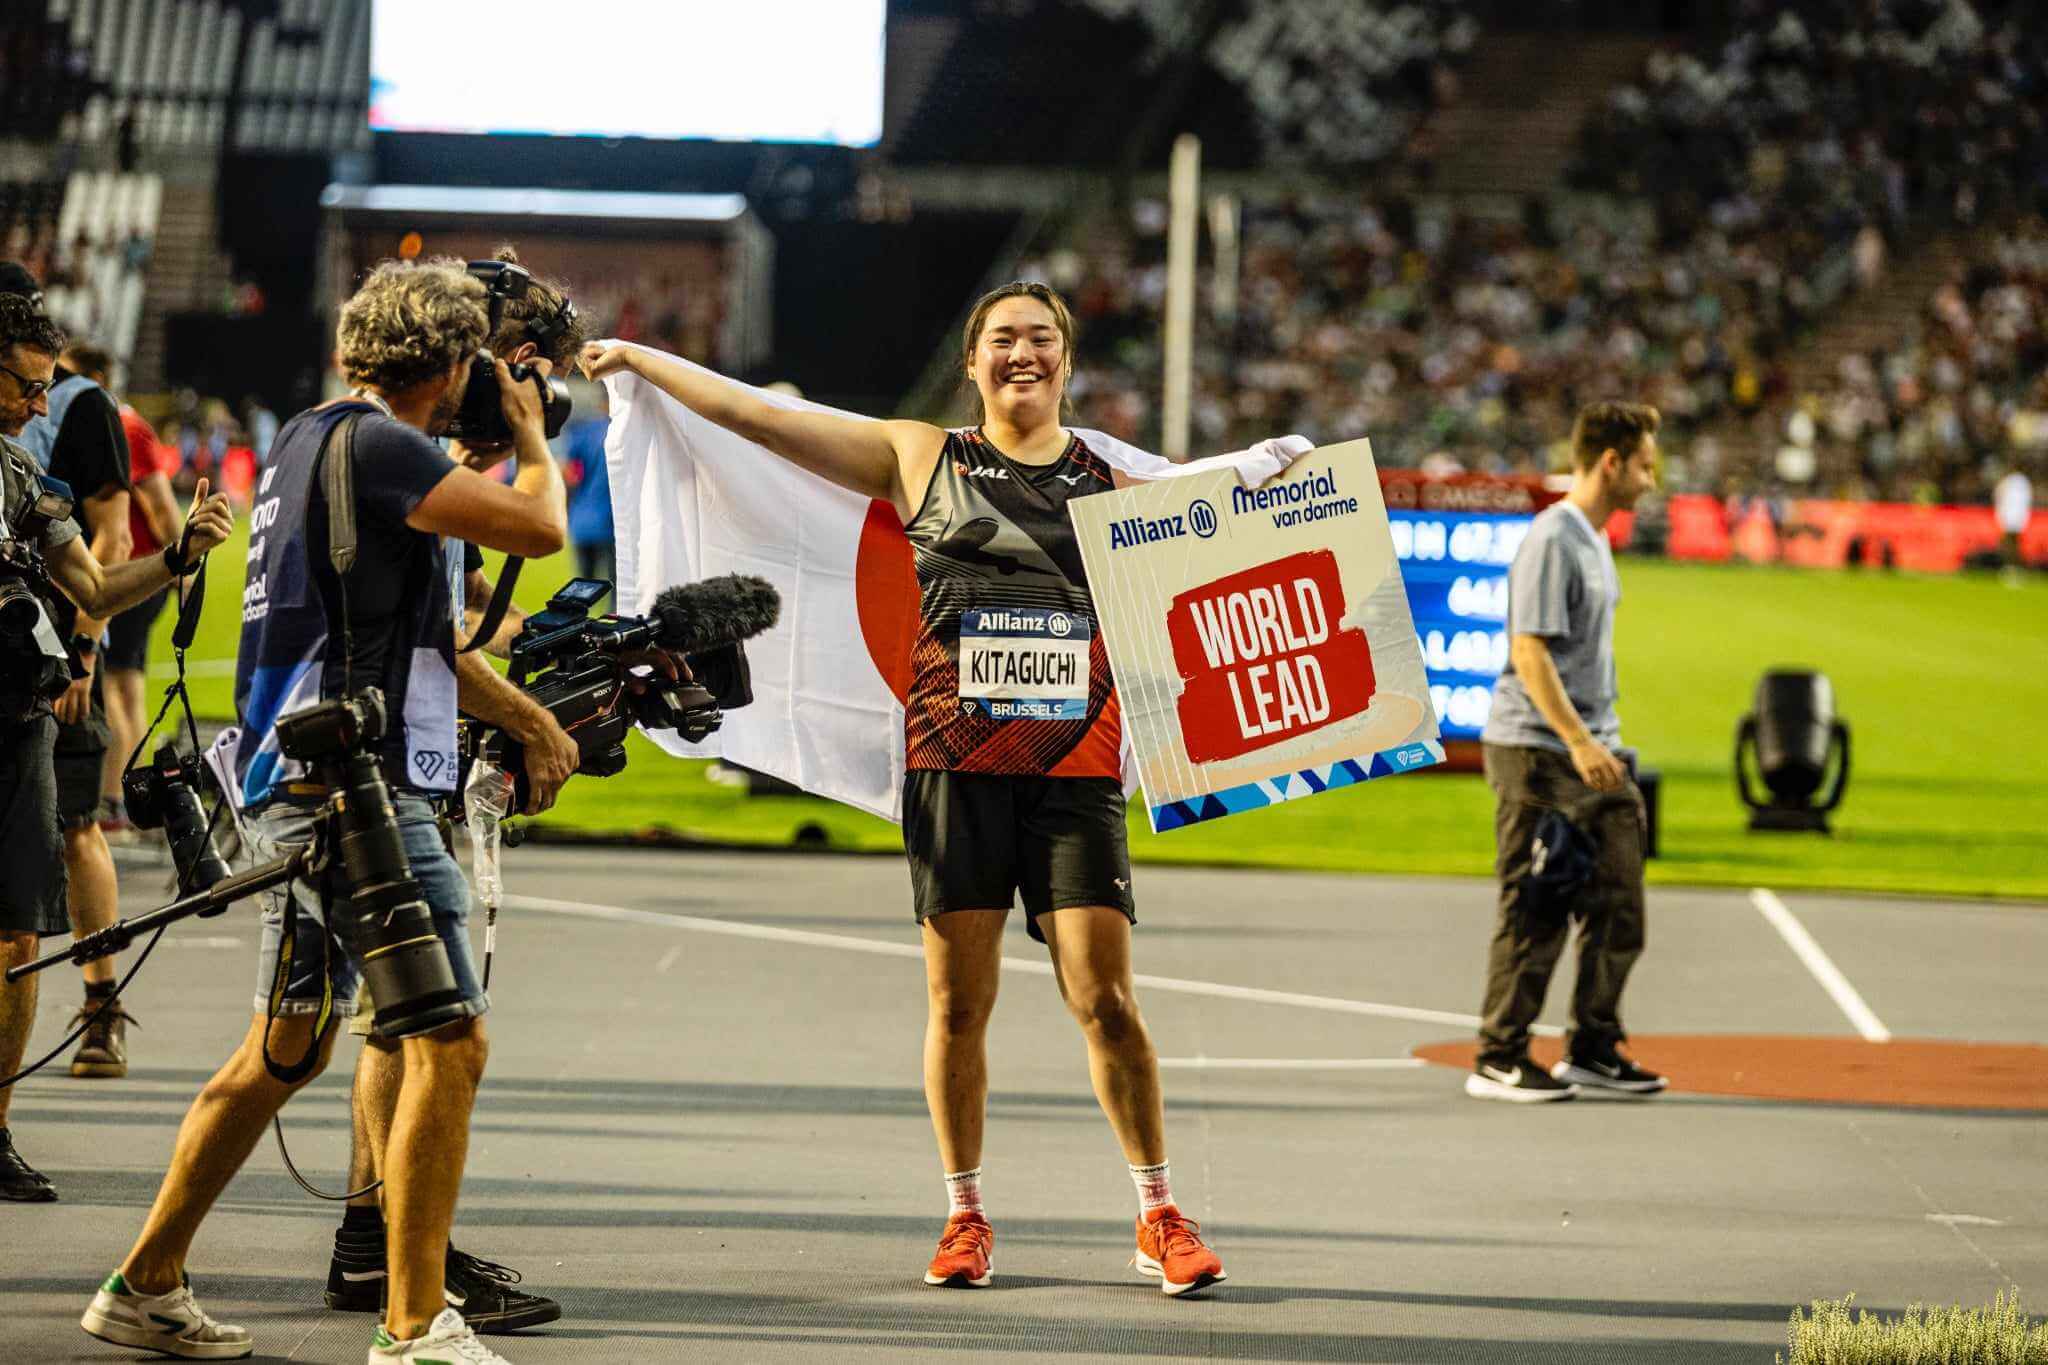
(1184, 207)
(1223, 224)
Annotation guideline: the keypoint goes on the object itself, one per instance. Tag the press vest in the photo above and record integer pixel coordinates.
(40, 435)
(1008, 671)
(292, 653)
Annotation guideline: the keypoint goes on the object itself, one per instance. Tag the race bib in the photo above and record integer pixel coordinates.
(1025, 663)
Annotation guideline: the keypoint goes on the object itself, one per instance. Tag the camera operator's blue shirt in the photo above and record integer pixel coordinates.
(401, 598)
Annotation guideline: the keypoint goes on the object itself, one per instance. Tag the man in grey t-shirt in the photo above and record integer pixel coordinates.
(1550, 746)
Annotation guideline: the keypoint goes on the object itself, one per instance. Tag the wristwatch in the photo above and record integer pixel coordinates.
(83, 645)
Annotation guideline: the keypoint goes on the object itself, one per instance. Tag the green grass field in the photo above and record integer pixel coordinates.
(1944, 682)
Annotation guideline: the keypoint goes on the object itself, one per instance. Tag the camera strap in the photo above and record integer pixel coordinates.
(494, 614)
(338, 486)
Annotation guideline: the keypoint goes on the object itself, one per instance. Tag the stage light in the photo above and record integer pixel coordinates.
(1792, 734)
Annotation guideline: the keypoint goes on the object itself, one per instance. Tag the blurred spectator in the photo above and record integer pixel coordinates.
(2014, 499)
(590, 499)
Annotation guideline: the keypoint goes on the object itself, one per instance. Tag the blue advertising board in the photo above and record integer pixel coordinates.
(1455, 566)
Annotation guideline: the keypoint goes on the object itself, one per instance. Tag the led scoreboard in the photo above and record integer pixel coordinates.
(1455, 537)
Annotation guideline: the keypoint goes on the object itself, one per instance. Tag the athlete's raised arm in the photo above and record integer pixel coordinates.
(888, 460)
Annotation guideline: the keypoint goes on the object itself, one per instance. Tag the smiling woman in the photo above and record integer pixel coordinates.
(1012, 738)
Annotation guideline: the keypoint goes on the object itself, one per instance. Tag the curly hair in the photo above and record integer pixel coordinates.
(410, 322)
(23, 324)
(546, 299)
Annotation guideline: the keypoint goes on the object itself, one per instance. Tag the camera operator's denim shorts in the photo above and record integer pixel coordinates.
(278, 828)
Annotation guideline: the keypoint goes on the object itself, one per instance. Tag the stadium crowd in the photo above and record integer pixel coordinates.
(1328, 82)
(1939, 413)
(1457, 341)
(1820, 118)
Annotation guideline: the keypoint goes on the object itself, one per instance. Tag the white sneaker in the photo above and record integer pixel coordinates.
(448, 1342)
(172, 1323)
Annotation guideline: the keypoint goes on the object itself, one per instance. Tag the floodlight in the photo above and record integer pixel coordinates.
(1793, 737)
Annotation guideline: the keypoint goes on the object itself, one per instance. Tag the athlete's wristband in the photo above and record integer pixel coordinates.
(176, 563)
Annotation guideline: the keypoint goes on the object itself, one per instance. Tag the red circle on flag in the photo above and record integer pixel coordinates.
(885, 595)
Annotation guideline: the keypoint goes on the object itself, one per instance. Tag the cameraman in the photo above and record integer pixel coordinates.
(406, 342)
(32, 895)
(540, 326)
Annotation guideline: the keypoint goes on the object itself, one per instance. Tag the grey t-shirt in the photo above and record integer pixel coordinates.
(1563, 587)
(18, 490)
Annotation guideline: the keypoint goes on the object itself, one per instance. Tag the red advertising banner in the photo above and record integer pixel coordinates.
(1820, 533)
(1262, 658)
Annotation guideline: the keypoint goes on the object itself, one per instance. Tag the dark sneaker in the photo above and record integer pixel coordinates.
(356, 1274)
(482, 1290)
(1611, 1072)
(103, 1051)
(484, 1294)
(20, 1182)
(1522, 1083)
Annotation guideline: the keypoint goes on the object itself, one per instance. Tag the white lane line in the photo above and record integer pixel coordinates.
(847, 943)
(1820, 964)
(1292, 1063)
(197, 668)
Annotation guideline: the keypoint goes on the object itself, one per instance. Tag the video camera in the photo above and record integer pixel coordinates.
(34, 666)
(382, 918)
(577, 667)
(481, 418)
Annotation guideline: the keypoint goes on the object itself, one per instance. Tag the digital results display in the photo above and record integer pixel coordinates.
(1455, 566)
(731, 70)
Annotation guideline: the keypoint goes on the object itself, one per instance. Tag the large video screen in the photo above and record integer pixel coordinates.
(1455, 539)
(729, 70)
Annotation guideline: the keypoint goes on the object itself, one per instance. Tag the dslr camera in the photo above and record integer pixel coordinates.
(481, 418)
(34, 666)
(164, 794)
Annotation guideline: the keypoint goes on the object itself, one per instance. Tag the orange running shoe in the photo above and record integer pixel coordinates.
(1171, 1247)
(962, 1261)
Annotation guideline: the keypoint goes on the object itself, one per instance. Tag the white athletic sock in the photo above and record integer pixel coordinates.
(1155, 1186)
(963, 1191)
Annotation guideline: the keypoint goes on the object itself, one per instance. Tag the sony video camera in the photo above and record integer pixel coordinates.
(481, 420)
(34, 666)
(576, 667)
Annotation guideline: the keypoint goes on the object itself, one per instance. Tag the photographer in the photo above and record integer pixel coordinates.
(540, 326)
(313, 633)
(33, 670)
(79, 440)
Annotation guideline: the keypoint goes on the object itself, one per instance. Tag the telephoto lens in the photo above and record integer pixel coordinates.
(165, 794)
(385, 922)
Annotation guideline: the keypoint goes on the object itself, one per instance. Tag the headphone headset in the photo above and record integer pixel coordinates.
(504, 282)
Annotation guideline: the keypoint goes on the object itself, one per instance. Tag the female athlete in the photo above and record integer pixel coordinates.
(1012, 738)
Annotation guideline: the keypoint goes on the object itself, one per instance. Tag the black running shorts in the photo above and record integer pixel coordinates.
(31, 849)
(128, 634)
(981, 841)
(80, 751)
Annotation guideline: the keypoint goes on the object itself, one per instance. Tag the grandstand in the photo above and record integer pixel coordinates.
(1778, 227)
(1813, 233)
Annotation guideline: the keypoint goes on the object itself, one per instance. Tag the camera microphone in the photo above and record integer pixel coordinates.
(714, 611)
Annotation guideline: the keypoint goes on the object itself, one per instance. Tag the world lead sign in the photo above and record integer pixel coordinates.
(1261, 638)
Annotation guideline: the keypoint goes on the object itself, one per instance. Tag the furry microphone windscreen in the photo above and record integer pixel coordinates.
(715, 611)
